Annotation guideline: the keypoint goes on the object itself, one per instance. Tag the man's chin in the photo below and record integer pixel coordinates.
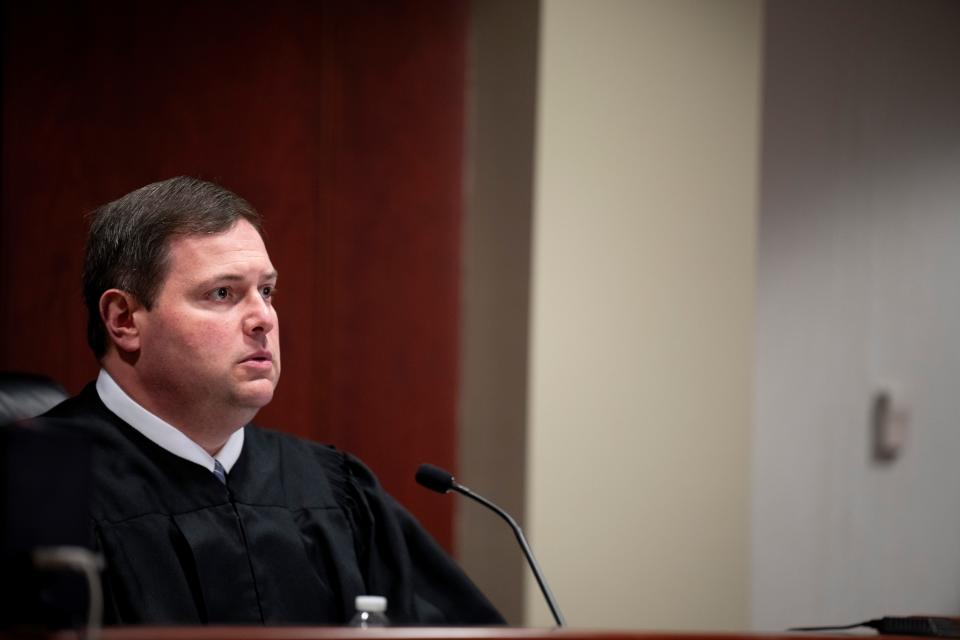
(256, 394)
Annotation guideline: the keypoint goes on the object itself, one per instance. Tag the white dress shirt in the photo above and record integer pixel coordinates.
(161, 433)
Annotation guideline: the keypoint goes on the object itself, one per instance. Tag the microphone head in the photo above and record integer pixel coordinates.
(435, 478)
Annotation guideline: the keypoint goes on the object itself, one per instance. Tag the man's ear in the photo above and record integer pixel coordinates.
(117, 309)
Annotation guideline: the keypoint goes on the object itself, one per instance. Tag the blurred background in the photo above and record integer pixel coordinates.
(673, 281)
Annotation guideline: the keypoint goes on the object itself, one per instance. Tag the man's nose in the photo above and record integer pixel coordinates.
(260, 316)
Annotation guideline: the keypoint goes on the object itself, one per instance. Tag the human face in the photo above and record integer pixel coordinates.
(210, 346)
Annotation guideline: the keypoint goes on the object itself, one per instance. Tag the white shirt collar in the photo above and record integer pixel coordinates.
(161, 433)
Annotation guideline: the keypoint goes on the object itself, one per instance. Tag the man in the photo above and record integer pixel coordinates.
(201, 516)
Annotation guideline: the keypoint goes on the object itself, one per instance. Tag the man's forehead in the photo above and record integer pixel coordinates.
(237, 250)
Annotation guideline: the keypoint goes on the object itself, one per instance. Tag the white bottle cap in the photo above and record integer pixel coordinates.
(372, 604)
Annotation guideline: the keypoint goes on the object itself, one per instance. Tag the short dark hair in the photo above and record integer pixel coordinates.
(129, 240)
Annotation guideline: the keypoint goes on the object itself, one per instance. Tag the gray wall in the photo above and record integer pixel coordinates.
(859, 264)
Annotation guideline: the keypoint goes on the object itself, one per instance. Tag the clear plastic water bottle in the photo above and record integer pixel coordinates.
(371, 612)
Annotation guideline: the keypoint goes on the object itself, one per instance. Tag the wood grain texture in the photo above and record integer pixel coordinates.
(342, 122)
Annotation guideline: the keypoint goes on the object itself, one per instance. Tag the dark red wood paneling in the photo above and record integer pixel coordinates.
(341, 122)
(394, 262)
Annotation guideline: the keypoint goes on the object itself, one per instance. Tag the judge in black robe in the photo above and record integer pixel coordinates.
(296, 532)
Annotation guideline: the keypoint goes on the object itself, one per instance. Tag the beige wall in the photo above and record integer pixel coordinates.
(641, 311)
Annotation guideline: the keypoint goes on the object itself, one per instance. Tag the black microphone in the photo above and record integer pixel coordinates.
(436, 479)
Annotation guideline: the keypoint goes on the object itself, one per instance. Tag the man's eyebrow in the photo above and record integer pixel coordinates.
(236, 277)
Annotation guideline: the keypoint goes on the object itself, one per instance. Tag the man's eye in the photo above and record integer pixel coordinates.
(221, 293)
(267, 291)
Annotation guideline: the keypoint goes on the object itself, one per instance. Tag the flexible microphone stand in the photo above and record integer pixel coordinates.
(436, 479)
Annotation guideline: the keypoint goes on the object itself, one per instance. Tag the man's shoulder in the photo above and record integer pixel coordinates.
(301, 457)
(85, 404)
(85, 413)
(295, 451)
(267, 436)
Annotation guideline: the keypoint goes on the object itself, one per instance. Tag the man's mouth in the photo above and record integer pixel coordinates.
(259, 357)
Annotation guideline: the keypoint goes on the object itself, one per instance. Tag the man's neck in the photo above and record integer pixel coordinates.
(163, 434)
(207, 426)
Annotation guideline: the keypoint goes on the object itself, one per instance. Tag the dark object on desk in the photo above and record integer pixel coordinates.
(928, 626)
(44, 498)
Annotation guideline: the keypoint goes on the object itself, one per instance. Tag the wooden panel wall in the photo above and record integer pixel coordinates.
(342, 122)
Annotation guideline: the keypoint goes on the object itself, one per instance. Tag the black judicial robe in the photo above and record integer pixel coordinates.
(298, 531)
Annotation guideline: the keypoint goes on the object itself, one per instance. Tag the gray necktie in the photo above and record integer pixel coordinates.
(219, 471)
